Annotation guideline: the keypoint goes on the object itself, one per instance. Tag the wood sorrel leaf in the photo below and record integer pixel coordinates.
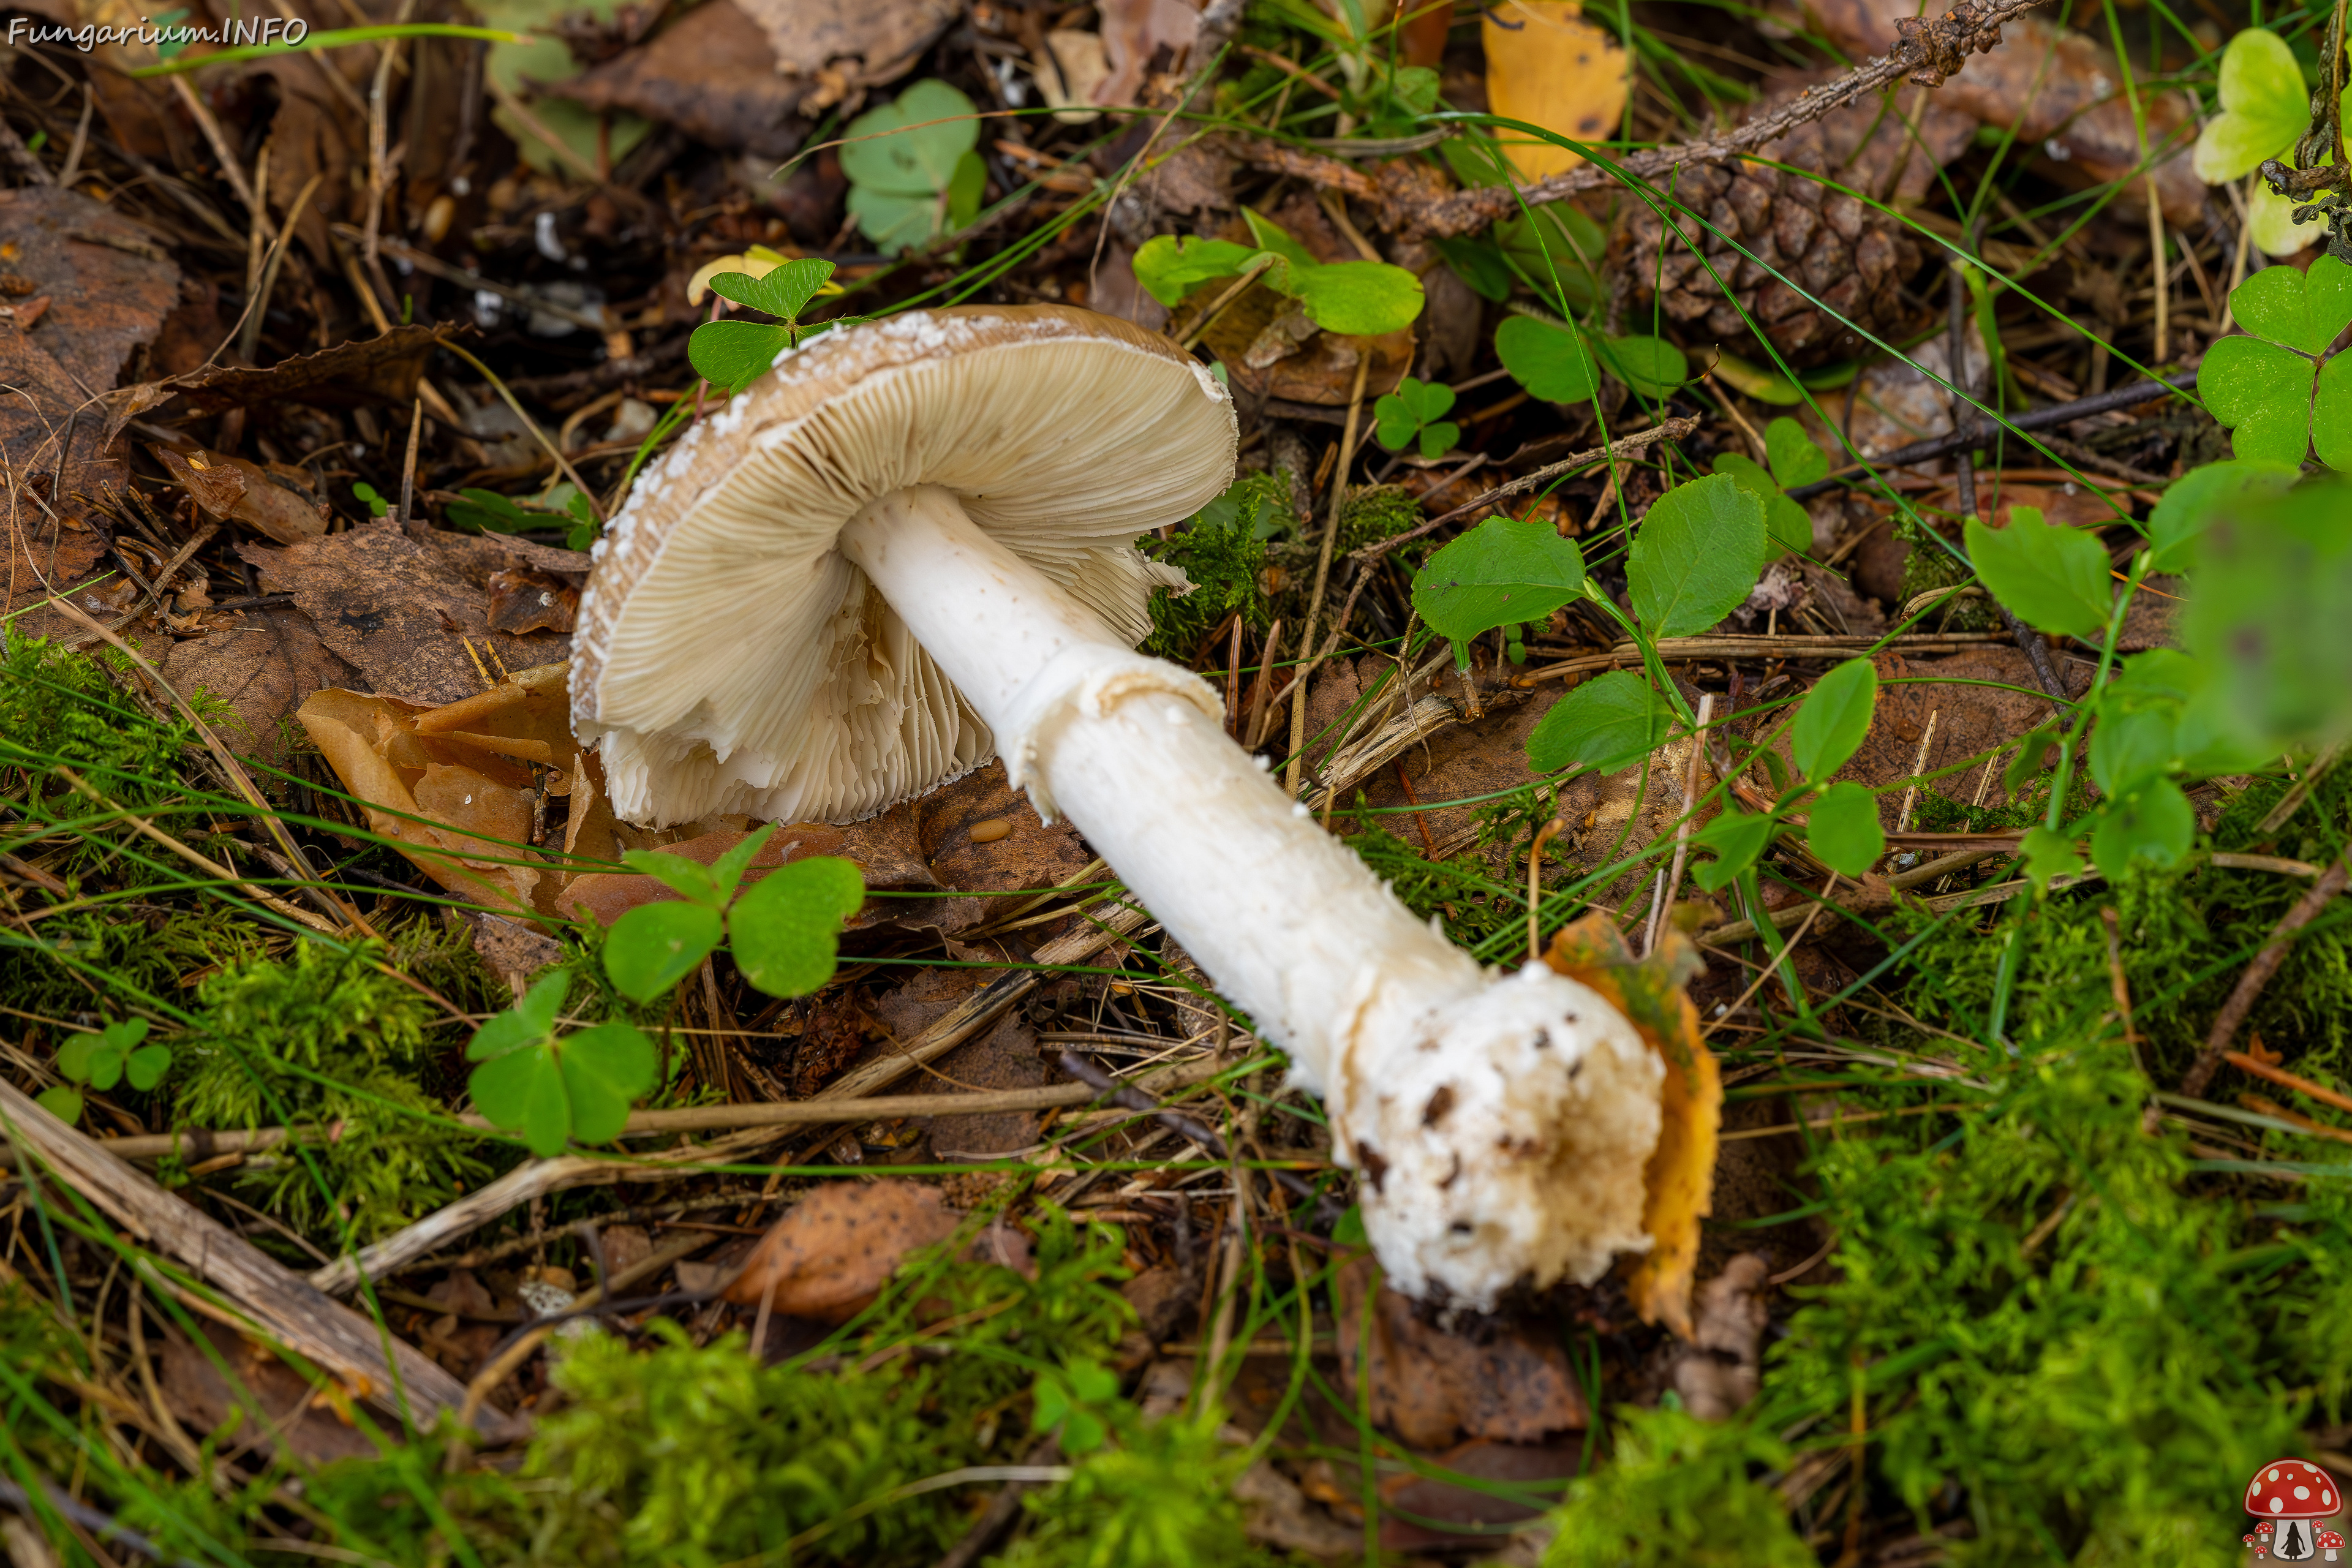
(655, 946)
(786, 930)
(2260, 394)
(553, 1090)
(1501, 573)
(1696, 557)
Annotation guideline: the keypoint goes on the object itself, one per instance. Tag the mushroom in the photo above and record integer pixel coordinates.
(910, 545)
(2290, 1493)
(2330, 1543)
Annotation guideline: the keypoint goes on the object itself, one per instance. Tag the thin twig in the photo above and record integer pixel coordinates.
(1323, 566)
(2249, 989)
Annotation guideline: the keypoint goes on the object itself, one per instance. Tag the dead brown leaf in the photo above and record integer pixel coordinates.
(227, 486)
(831, 1254)
(398, 612)
(1498, 1380)
(856, 42)
(713, 74)
(1717, 1373)
(247, 1397)
(382, 370)
(262, 664)
(1004, 1058)
(532, 602)
(1133, 33)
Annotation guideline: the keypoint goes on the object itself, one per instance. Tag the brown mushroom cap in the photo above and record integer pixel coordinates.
(729, 658)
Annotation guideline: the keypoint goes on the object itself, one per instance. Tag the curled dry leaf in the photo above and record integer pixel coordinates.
(1680, 1176)
(230, 487)
(464, 769)
(1133, 31)
(830, 1256)
(1496, 1379)
(1718, 1372)
(1547, 65)
(524, 601)
(382, 370)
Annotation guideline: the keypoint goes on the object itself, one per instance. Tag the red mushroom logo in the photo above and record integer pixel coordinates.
(2330, 1543)
(2288, 1494)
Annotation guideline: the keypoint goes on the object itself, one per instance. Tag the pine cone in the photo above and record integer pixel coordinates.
(1853, 258)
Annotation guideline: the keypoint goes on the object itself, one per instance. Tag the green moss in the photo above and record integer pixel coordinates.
(1679, 1490)
(1382, 511)
(59, 707)
(1931, 565)
(325, 1038)
(1223, 551)
(1165, 1499)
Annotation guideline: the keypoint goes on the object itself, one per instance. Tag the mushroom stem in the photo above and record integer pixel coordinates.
(1503, 1126)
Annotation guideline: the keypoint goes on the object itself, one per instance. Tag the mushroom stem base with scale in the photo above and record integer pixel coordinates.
(1502, 1124)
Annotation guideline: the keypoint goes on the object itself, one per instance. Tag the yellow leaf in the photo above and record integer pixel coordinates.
(1680, 1177)
(1547, 65)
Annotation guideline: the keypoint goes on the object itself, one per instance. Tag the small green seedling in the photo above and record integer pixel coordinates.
(913, 172)
(2276, 388)
(733, 354)
(1414, 415)
(1503, 573)
(551, 1089)
(1795, 462)
(487, 512)
(1080, 1399)
(1354, 298)
(2266, 108)
(785, 930)
(1561, 364)
(366, 495)
(100, 1060)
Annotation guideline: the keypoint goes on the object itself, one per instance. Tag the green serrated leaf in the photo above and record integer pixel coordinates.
(2053, 578)
(786, 931)
(1834, 719)
(655, 946)
(1696, 557)
(1735, 838)
(1843, 831)
(1501, 573)
(1607, 725)
(1552, 363)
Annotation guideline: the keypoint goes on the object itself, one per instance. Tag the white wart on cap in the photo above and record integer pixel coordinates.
(730, 659)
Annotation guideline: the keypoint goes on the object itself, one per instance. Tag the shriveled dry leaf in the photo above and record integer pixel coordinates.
(1135, 30)
(396, 611)
(713, 74)
(830, 1256)
(1718, 1372)
(262, 664)
(2059, 90)
(532, 602)
(864, 44)
(1547, 65)
(1680, 1176)
(404, 760)
(227, 486)
(1323, 370)
(1502, 1381)
(366, 370)
(252, 1399)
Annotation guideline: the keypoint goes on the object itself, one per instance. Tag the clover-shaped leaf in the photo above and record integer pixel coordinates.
(912, 170)
(114, 1055)
(550, 1091)
(1415, 413)
(786, 930)
(2268, 386)
(2264, 109)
